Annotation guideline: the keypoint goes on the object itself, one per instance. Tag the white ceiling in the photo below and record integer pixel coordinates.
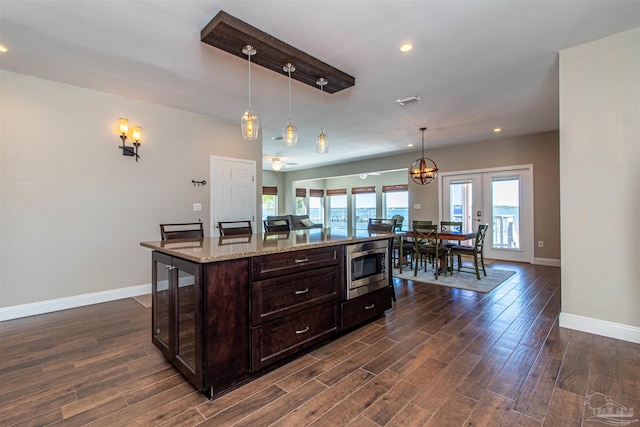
(477, 64)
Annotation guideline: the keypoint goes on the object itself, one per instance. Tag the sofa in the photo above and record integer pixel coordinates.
(297, 222)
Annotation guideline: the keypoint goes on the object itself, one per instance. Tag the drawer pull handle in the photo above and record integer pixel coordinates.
(304, 291)
(301, 260)
(302, 331)
(369, 307)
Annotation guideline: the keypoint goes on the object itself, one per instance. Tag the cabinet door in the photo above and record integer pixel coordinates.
(177, 313)
(188, 323)
(161, 317)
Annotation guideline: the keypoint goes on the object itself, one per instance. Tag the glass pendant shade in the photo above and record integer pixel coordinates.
(249, 122)
(322, 142)
(423, 170)
(289, 135)
(250, 125)
(289, 132)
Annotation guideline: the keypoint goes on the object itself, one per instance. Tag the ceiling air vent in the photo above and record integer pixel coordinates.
(404, 101)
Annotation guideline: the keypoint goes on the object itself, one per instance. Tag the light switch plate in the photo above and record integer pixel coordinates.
(417, 206)
(197, 207)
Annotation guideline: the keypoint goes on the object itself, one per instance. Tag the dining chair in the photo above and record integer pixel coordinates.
(399, 221)
(228, 228)
(477, 250)
(273, 225)
(184, 230)
(381, 224)
(450, 226)
(427, 247)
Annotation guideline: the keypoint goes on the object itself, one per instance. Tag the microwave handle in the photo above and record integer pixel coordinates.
(369, 252)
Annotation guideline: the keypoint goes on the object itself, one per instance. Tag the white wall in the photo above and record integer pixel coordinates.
(73, 210)
(600, 186)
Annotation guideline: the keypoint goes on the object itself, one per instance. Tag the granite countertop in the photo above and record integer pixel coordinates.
(213, 249)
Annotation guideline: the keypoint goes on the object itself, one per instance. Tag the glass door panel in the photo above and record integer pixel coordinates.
(505, 205)
(186, 303)
(160, 305)
(501, 198)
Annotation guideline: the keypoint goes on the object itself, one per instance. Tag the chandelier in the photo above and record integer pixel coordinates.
(424, 170)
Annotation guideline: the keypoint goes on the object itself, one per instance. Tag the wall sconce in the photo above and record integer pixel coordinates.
(136, 135)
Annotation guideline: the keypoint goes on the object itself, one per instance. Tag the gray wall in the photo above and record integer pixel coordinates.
(541, 150)
(73, 210)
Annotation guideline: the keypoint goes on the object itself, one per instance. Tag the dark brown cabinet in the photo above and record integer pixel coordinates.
(226, 322)
(294, 302)
(365, 307)
(176, 313)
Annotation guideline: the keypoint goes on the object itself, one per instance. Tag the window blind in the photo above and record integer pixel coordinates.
(363, 190)
(269, 191)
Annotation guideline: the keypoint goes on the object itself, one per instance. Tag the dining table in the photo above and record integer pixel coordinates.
(458, 236)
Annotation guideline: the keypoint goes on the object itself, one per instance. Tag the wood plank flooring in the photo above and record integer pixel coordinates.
(440, 357)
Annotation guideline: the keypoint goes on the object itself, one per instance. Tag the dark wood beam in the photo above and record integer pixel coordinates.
(231, 35)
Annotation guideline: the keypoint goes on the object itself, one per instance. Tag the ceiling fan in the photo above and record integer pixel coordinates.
(277, 163)
(364, 176)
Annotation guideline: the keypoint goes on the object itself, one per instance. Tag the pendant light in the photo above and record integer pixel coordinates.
(249, 122)
(289, 132)
(424, 170)
(322, 142)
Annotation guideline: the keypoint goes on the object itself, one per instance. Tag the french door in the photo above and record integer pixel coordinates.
(502, 198)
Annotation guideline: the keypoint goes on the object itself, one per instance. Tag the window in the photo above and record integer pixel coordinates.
(396, 202)
(316, 208)
(301, 195)
(269, 201)
(364, 206)
(338, 208)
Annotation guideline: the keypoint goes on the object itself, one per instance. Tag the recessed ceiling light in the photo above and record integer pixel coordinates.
(3, 49)
(406, 47)
(496, 130)
(410, 145)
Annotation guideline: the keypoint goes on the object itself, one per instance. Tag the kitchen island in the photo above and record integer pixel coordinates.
(228, 309)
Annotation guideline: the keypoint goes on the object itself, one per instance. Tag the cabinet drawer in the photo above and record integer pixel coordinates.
(280, 296)
(288, 335)
(365, 307)
(268, 266)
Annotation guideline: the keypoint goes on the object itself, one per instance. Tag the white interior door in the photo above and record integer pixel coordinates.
(233, 192)
(502, 198)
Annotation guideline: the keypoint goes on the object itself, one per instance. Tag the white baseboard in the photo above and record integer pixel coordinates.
(600, 327)
(40, 307)
(551, 262)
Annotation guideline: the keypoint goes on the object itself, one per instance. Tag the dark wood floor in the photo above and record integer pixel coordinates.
(440, 357)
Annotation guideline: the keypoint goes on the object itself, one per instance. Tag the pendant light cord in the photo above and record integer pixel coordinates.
(249, 55)
(289, 71)
(321, 109)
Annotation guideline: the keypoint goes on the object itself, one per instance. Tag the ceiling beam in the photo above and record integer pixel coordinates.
(231, 35)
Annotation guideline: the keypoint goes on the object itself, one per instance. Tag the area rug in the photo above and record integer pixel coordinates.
(460, 280)
(145, 300)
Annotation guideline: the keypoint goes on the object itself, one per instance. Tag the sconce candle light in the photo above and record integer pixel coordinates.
(136, 135)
